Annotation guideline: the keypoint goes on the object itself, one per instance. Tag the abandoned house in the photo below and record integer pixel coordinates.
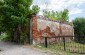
(43, 27)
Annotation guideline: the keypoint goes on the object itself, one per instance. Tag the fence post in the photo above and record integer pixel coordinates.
(64, 43)
(46, 44)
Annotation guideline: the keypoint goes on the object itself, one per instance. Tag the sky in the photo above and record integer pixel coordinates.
(76, 7)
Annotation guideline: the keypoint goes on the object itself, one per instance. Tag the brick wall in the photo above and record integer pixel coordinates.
(43, 27)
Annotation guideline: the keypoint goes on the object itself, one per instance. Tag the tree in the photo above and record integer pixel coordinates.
(14, 15)
(35, 9)
(79, 26)
(62, 15)
(50, 14)
(79, 29)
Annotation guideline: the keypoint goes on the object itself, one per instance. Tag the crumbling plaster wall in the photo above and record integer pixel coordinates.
(43, 27)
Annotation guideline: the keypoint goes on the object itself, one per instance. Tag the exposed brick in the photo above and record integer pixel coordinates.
(39, 34)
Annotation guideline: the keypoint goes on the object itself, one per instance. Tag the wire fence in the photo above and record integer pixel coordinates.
(74, 44)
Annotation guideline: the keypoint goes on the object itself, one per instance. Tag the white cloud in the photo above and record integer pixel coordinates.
(58, 5)
(75, 11)
(62, 4)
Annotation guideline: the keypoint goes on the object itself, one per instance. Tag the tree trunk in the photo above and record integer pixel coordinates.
(0, 32)
(17, 34)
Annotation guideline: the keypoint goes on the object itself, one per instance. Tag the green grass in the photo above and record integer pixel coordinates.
(76, 47)
(58, 49)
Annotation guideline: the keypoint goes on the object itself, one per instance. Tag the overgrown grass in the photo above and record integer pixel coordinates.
(75, 47)
(58, 49)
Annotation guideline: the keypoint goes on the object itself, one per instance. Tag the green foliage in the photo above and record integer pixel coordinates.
(4, 37)
(14, 14)
(50, 14)
(79, 26)
(23, 37)
(62, 15)
(1, 2)
(35, 9)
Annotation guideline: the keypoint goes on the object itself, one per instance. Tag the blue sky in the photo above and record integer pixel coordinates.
(76, 7)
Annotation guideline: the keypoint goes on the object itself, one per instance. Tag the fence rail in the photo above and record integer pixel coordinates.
(66, 43)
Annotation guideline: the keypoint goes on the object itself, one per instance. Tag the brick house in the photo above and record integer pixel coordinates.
(43, 27)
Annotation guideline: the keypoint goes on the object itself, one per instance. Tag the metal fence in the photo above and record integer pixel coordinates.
(74, 44)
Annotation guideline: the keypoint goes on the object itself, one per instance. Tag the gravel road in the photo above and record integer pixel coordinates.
(14, 49)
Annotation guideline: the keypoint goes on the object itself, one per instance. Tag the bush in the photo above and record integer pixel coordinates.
(23, 37)
(4, 37)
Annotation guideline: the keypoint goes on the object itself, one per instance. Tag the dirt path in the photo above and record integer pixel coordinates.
(13, 49)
